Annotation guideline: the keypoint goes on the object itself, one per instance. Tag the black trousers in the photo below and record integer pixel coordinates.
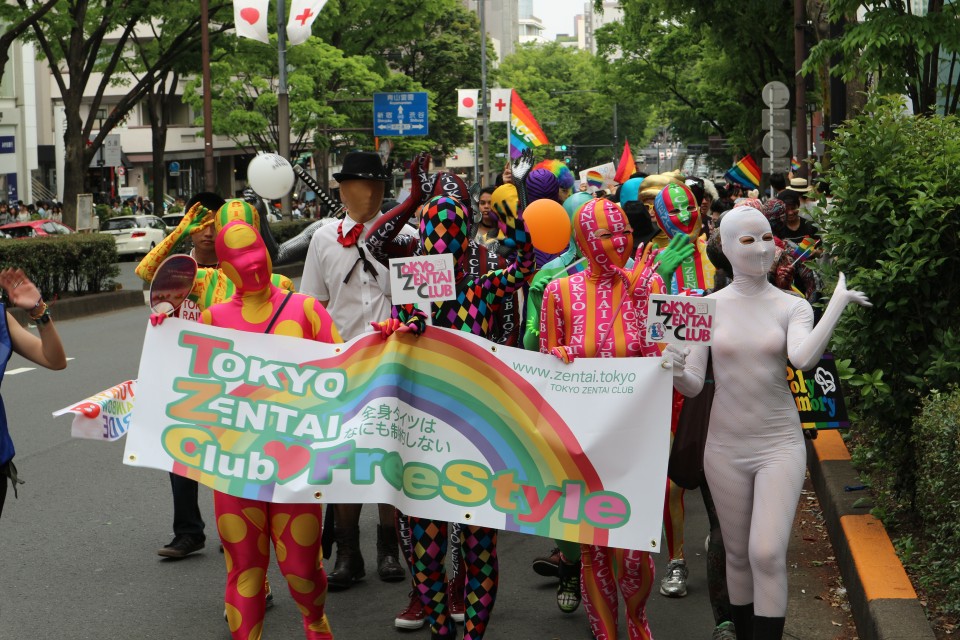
(186, 509)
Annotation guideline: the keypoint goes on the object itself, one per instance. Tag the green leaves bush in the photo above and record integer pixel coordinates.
(936, 439)
(77, 263)
(893, 232)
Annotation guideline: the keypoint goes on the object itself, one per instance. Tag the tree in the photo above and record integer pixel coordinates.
(150, 44)
(895, 50)
(22, 22)
(85, 42)
(703, 66)
(324, 86)
(572, 101)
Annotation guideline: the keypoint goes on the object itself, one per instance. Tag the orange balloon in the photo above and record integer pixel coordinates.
(548, 224)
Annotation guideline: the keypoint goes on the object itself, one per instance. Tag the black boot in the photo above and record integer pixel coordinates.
(388, 562)
(767, 628)
(349, 565)
(742, 616)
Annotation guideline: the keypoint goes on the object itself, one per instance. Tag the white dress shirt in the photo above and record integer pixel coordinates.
(362, 300)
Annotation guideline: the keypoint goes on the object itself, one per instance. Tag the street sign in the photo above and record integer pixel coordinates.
(121, 171)
(400, 114)
(776, 165)
(775, 119)
(775, 94)
(111, 150)
(174, 168)
(776, 143)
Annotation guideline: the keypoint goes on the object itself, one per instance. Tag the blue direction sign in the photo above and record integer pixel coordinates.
(400, 114)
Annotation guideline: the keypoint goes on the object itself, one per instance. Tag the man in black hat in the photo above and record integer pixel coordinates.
(355, 289)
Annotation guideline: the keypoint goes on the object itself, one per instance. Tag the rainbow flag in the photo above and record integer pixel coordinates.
(627, 166)
(594, 179)
(794, 164)
(745, 173)
(803, 251)
(524, 130)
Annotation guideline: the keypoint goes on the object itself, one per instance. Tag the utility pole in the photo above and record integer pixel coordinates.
(209, 175)
(283, 99)
(800, 87)
(483, 91)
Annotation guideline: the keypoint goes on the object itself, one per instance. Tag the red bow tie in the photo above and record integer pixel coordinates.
(351, 237)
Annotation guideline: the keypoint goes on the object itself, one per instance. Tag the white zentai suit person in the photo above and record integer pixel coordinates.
(755, 457)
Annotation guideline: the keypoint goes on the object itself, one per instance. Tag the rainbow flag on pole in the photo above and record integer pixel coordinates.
(525, 133)
(745, 173)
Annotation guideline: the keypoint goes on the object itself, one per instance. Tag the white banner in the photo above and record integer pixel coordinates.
(500, 105)
(104, 416)
(467, 102)
(250, 18)
(683, 320)
(445, 426)
(302, 15)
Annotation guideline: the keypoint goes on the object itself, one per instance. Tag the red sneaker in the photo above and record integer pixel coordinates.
(413, 617)
(455, 602)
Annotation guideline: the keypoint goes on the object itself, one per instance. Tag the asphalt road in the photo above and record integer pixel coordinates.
(78, 548)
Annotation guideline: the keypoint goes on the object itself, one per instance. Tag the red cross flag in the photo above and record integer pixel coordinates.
(302, 15)
(250, 16)
(500, 105)
(467, 102)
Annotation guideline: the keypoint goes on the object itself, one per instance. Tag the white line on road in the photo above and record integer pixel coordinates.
(14, 372)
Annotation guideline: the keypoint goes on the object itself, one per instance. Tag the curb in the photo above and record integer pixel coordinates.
(88, 305)
(884, 604)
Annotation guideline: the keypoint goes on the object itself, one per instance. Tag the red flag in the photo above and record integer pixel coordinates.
(627, 166)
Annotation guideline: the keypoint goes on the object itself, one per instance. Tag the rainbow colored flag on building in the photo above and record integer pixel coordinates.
(746, 173)
(525, 133)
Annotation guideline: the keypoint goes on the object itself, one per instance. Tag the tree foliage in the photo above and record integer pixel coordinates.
(572, 99)
(703, 64)
(895, 50)
(895, 194)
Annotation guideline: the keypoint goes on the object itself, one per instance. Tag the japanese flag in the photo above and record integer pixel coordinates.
(250, 17)
(500, 105)
(302, 15)
(467, 102)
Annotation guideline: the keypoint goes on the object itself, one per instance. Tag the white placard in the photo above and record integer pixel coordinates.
(682, 320)
(422, 279)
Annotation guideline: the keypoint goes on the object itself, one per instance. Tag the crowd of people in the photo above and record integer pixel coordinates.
(21, 212)
(655, 233)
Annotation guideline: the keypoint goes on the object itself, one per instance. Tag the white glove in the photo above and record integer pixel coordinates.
(676, 357)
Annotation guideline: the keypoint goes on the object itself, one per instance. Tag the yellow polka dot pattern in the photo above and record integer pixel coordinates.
(232, 528)
(257, 632)
(233, 617)
(256, 311)
(240, 236)
(300, 585)
(250, 583)
(305, 529)
(256, 516)
(290, 328)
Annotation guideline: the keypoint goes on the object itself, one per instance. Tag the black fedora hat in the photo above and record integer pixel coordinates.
(362, 165)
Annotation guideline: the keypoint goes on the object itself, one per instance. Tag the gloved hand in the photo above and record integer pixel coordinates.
(419, 176)
(389, 326)
(156, 319)
(197, 218)
(677, 357)
(673, 255)
(563, 353)
(784, 276)
(846, 296)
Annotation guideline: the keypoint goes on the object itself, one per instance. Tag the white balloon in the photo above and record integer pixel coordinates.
(270, 175)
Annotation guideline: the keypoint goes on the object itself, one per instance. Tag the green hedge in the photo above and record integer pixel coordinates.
(893, 231)
(76, 264)
(936, 438)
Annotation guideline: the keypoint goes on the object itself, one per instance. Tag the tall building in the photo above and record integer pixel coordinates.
(502, 22)
(594, 19)
(530, 26)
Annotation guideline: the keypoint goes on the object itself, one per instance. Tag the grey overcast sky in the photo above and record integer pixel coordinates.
(557, 15)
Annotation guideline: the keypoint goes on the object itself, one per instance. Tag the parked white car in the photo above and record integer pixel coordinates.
(135, 235)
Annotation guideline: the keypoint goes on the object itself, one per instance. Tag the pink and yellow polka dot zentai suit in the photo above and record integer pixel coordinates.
(247, 526)
(601, 313)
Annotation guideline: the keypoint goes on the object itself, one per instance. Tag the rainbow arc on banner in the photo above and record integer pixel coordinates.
(525, 132)
(746, 173)
(510, 428)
